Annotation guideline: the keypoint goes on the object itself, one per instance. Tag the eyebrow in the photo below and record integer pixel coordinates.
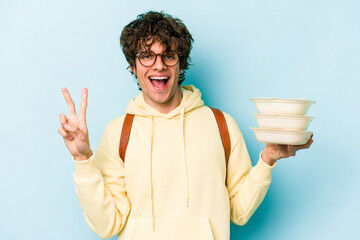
(164, 52)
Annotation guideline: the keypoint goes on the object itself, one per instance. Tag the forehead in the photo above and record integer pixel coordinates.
(157, 46)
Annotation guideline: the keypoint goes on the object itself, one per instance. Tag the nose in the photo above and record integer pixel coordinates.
(159, 64)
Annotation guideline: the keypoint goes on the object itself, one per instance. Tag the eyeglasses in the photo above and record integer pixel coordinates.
(148, 58)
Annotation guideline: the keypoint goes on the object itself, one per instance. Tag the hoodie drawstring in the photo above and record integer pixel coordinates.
(151, 177)
(184, 157)
(182, 123)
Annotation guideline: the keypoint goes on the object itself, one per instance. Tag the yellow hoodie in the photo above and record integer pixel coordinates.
(172, 185)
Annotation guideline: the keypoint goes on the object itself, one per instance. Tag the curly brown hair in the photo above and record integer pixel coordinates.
(159, 27)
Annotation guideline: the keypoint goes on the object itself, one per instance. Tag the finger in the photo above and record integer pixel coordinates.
(282, 148)
(63, 120)
(64, 123)
(83, 104)
(285, 150)
(67, 127)
(64, 134)
(69, 101)
(309, 139)
(308, 143)
(305, 146)
(82, 127)
(291, 150)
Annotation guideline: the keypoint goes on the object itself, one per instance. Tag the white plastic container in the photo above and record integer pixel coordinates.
(292, 122)
(279, 136)
(282, 106)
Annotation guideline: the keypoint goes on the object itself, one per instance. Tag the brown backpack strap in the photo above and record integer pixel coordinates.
(224, 132)
(220, 120)
(125, 135)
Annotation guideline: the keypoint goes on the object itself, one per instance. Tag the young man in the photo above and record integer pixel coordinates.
(174, 183)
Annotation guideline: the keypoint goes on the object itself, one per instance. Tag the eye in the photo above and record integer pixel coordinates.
(146, 56)
(169, 56)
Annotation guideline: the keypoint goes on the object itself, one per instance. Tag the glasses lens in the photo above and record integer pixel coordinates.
(147, 58)
(170, 59)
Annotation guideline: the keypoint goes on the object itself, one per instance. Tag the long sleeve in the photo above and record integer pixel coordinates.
(100, 185)
(247, 185)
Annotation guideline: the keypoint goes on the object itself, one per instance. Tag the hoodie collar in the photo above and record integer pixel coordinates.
(191, 100)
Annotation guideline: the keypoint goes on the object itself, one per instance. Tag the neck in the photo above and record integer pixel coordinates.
(167, 106)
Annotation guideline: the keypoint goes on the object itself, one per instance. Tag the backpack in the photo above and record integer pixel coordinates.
(220, 120)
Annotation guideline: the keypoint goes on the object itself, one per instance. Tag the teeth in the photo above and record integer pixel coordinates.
(158, 78)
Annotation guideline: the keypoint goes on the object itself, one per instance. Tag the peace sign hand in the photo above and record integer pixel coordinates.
(74, 130)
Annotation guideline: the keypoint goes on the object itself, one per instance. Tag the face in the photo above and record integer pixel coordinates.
(159, 83)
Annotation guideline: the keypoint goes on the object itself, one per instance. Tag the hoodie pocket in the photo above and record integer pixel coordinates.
(198, 229)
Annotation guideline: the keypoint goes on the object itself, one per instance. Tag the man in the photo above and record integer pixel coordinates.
(174, 183)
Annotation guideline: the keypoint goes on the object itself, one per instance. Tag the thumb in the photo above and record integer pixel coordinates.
(74, 129)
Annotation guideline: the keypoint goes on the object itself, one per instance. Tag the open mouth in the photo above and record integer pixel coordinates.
(159, 83)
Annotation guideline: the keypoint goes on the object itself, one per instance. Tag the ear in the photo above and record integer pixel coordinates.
(133, 69)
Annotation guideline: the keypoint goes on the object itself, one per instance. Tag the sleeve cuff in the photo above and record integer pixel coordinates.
(86, 170)
(262, 172)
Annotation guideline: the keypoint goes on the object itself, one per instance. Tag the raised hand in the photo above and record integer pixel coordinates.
(274, 152)
(74, 130)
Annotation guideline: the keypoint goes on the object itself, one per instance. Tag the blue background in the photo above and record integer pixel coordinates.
(291, 49)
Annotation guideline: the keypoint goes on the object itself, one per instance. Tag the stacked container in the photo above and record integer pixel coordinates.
(282, 121)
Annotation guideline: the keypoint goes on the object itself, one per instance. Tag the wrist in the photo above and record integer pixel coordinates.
(83, 157)
(267, 159)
